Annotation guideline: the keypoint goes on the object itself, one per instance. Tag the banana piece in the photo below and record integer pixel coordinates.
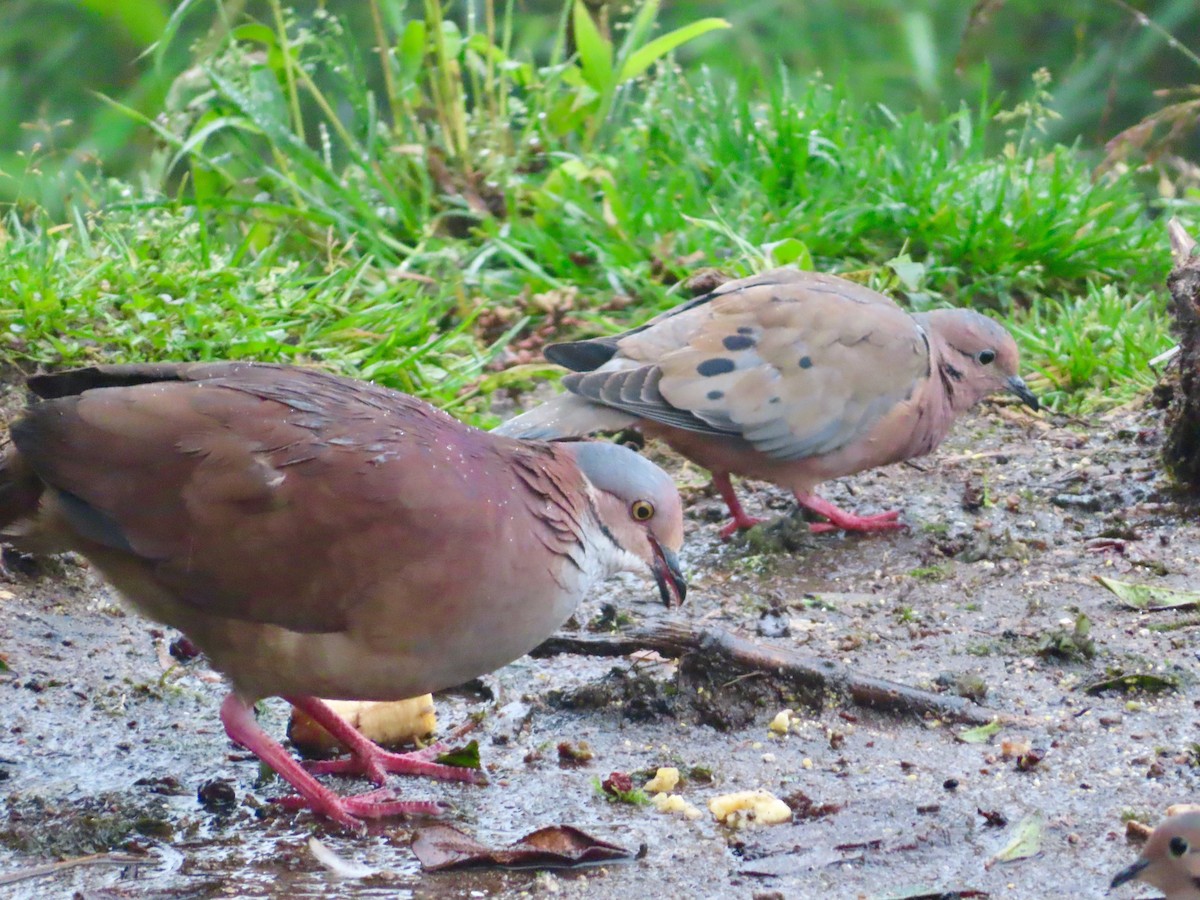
(389, 724)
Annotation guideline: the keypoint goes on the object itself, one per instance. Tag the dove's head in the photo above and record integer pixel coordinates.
(640, 517)
(975, 356)
(1170, 860)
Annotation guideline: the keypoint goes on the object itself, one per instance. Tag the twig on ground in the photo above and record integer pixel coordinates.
(787, 668)
(92, 859)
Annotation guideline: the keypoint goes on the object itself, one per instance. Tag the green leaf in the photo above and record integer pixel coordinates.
(1144, 681)
(980, 734)
(910, 273)
(789, 251)
(1026, 841)
(463, 757)
(639, 30)
(485, 48)
(642, 59)
(595, 53)
(159, 47)
(918, 34)
(142, 20)
(927, 892)
(255, 31)
(411, 50)
(452, 40)
(1149, 599)
(634, 797)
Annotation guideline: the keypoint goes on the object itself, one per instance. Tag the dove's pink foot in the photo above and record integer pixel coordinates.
(741, 521)
(377, 804)
(239, 724)
(841, 520)
(369, 759)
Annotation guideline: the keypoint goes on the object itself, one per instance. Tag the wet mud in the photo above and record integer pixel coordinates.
(108, 742)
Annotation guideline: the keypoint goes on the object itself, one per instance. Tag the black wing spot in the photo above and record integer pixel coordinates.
(716, 366)
(581, 356)
(735, 342)
(806, 362)
(715, 395)
(745, 329)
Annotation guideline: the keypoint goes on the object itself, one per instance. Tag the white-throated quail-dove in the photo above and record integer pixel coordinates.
(318, 536)
(789, 377)
(1170, 860)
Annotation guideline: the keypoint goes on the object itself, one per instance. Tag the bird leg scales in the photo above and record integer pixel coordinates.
(241, 727)
(839, 519)
(741, 520)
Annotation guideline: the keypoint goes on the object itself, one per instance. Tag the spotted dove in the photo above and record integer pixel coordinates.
(790, 377)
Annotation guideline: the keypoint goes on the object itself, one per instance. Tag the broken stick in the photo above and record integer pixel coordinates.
(787, 668)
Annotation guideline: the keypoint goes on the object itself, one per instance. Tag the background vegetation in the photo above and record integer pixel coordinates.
(243, 179)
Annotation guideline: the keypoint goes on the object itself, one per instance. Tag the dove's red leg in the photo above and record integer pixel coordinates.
(368, 758)
(840, 519)
(741, 521)
(239, 724)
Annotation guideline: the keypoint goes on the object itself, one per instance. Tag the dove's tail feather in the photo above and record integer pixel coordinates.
(565, 416)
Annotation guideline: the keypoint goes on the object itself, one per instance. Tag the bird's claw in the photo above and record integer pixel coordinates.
(350, 811)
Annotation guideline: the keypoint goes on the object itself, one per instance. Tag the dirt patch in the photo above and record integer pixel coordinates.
(108, 739)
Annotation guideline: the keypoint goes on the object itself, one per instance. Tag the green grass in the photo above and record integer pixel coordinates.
(293, 214)
(145, 285)
(1093, 350)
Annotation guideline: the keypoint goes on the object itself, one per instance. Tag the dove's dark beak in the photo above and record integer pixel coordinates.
(671, 585)
(1130, 873)
(1016, 385)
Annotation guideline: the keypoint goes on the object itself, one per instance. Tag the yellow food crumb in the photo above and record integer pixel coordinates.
(673, 803)
(664, 780)
(746, 808)
(782, 722)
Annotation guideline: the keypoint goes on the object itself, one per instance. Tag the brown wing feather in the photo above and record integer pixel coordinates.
(268, 494)
(798, 364)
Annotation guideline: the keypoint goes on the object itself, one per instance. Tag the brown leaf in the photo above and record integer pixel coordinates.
(445, 847)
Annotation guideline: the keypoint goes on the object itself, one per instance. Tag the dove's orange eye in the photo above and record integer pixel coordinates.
(1178, 846)
(641, 510)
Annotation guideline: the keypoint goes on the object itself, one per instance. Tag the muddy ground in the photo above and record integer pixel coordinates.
(106, 739)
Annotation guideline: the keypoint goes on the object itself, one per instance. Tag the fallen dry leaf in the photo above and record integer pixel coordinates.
(558, 846)
(981, 734)
(1026, 841)
(1148, 598)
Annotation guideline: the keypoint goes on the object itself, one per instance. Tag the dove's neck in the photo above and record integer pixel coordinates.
(941, 399)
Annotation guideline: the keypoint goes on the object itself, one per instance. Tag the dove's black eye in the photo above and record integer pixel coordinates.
(1178, 846)
(986, 356)
(641, 510)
